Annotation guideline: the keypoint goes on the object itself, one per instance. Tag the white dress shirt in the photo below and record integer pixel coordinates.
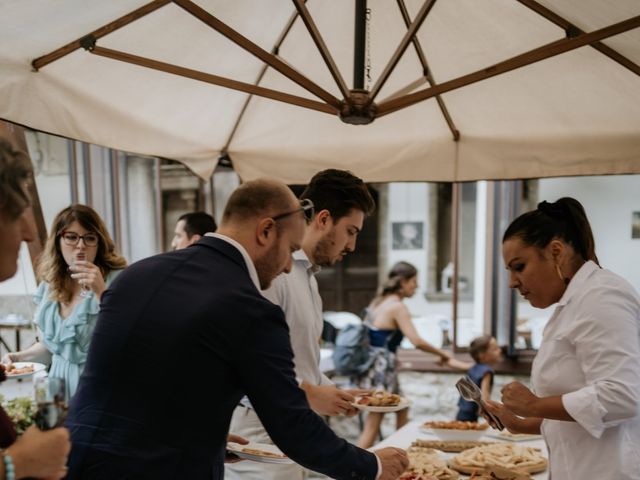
(253, 273)
(590, 355)
(297, 294)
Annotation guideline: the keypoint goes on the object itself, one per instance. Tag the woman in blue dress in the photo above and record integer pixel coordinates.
(77, 265)
(389, 321)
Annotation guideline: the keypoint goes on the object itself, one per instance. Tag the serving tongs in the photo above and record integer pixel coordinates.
(472, 393)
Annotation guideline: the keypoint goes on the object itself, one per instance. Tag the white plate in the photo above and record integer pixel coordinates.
(453, 434)
(237, 449)
(404, 403)
(37, 367)
(514, 437)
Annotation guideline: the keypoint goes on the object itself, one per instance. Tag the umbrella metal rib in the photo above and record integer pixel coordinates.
(213, 79)
(527, 58)
(263, 70)
(358, 107)
(99, 33)
(566, 25)
(427, 72)
(262, 54)
(322, 47)
(404, 43)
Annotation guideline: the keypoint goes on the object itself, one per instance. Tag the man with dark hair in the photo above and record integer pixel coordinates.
(190, 228)
(341, 201)
(138, 416)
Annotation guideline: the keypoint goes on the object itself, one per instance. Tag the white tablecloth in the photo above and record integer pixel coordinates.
(20, 387)
(410, 432)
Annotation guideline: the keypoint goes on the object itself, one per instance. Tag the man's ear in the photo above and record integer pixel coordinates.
(266, 231)
(323, 219)
(194, 238)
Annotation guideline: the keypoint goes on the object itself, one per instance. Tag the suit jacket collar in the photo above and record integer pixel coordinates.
(235, 251)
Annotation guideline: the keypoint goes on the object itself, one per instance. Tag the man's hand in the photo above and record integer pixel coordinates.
(329, 400)
(230, 457)
(394, 461)
(519, 399)
(41, 454)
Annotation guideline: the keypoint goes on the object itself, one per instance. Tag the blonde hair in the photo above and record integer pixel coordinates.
(52, 267)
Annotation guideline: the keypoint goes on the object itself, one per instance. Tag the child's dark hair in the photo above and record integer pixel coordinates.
(478, 346)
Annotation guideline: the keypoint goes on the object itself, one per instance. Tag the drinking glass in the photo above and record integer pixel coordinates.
(85, 290)
(51, 402)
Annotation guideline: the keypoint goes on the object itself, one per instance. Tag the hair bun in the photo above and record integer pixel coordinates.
(554, 210)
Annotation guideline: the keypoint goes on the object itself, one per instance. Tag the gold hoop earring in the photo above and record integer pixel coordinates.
(562, 277)
(559, 272)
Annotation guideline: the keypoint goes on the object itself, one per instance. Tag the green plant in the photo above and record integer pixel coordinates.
(21, 411)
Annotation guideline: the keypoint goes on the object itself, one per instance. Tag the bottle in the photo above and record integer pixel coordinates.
(446, 279)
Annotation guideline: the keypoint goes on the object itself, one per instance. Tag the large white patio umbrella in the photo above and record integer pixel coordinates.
(485, 89)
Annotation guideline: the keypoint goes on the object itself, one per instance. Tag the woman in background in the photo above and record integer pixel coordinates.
(77, 265)
(389, 321)
(586, 375)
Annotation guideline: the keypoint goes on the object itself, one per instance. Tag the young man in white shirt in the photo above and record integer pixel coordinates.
(342, 201)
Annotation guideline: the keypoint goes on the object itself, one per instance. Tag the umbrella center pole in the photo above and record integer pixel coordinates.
(357, 108)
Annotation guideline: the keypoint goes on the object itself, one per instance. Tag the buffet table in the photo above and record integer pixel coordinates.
(410, 432)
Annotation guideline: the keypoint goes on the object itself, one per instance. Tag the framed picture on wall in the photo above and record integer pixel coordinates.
(635, 225)
(406, 235)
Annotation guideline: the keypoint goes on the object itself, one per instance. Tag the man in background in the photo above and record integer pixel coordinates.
(190, 228)
(341, 201)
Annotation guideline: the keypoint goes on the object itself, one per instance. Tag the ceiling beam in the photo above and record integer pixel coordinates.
(546, 51)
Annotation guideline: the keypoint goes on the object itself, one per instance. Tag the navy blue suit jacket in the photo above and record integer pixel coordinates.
(180, 338)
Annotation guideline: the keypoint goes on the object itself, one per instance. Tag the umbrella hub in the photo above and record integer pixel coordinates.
(358, 109)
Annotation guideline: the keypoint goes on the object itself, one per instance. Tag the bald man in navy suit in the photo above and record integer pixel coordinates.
(182, 336)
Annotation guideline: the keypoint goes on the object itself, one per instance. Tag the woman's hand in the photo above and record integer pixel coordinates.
(519, 399)
(89, 275)
(508, 419)
(9, 358)
(41, 454)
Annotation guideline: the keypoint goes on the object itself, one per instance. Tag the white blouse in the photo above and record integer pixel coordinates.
(590, 355)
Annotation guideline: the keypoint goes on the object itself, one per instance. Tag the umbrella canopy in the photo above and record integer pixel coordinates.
(406, 90)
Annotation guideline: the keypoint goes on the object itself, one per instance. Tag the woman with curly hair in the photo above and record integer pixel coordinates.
(78, 264)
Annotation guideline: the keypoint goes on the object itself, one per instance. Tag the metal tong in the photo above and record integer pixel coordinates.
(472, 393)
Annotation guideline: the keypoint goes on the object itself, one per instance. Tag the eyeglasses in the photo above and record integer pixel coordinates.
(306, 207)
(72, 239)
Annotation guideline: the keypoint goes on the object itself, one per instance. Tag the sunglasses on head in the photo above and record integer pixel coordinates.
(306, 207)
